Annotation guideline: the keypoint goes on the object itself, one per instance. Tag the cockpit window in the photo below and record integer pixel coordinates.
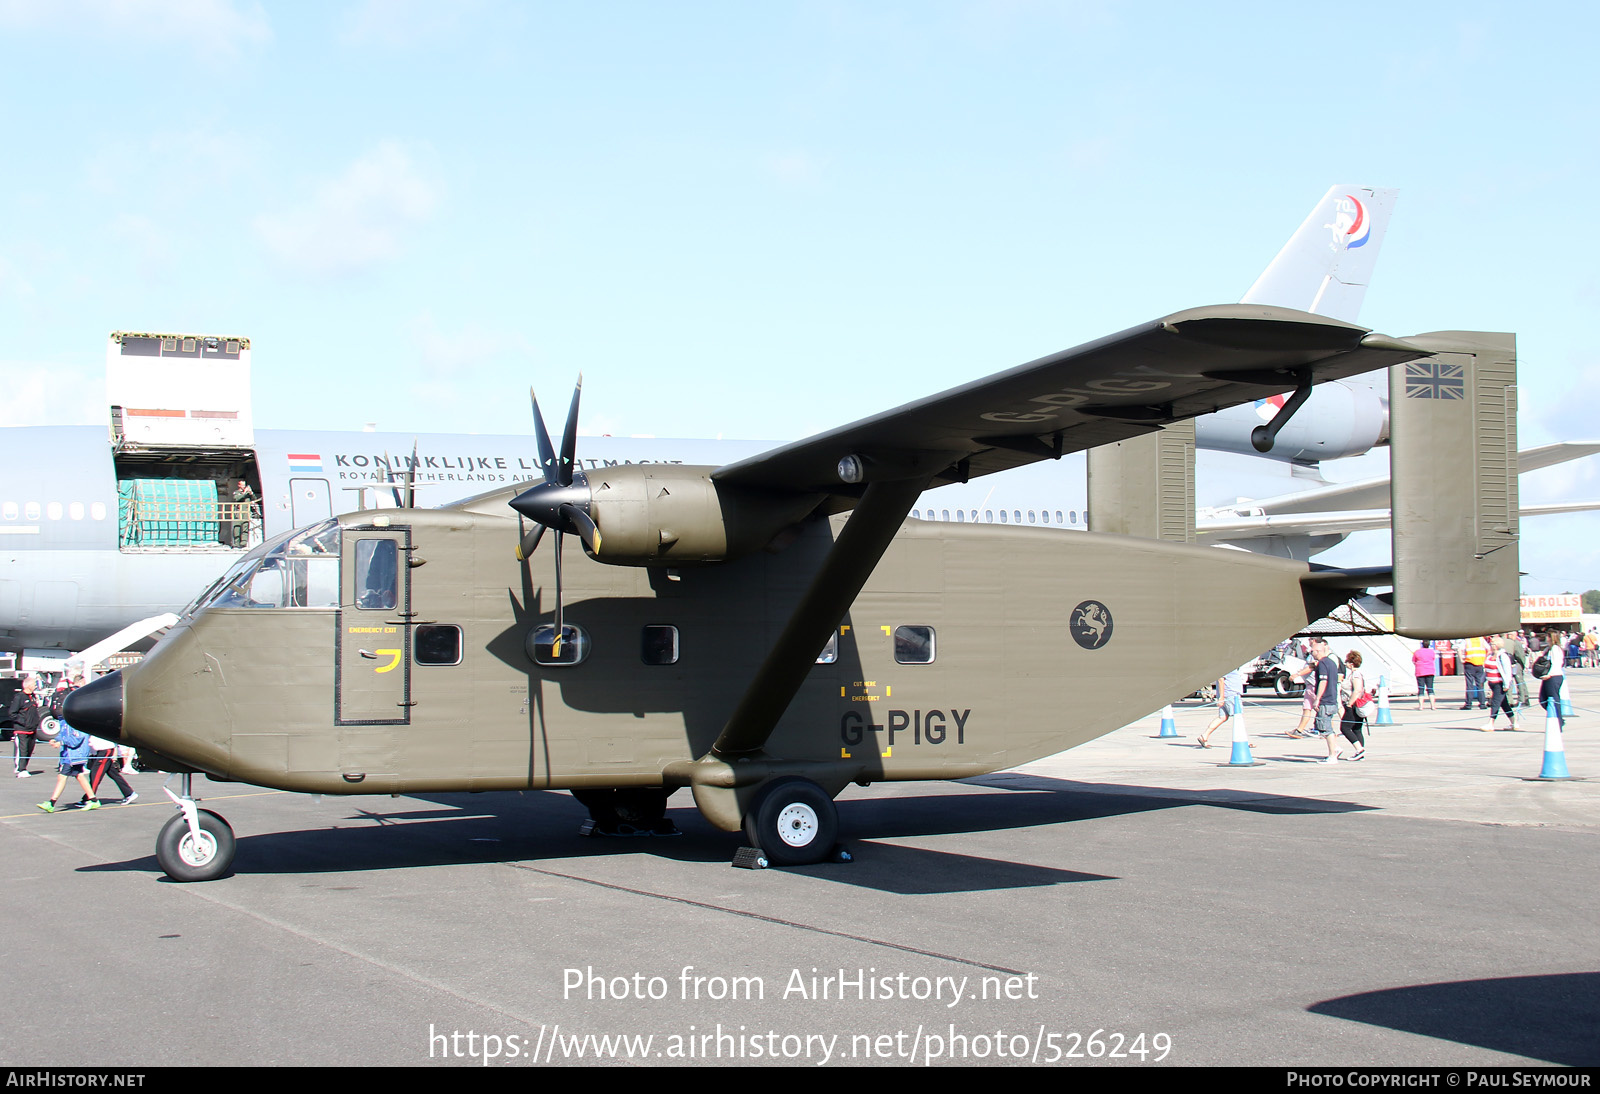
(377, 574)
(295, 570)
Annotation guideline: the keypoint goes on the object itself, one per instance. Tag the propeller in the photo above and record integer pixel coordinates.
(408, 500)
(560, 502)
(411, 478)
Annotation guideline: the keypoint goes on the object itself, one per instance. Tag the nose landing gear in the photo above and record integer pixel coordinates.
(195, 845)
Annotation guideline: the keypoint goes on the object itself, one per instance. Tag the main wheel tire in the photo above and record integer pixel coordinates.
(184, 859)
(794, 822)
(1283, 685)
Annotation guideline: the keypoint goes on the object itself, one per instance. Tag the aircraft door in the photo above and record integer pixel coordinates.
(373, 679)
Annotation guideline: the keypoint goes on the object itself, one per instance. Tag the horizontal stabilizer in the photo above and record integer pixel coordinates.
(1373, 493)
(1340, 523)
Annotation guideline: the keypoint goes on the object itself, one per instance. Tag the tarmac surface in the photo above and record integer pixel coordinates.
(1430, 905)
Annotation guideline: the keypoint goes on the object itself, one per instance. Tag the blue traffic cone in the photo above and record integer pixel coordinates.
(1241, 756)
(1169, 724)
(1384, 718)
(1555, 754)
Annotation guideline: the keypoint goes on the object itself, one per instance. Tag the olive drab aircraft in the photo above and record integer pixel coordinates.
(104, 532)
(766, 632)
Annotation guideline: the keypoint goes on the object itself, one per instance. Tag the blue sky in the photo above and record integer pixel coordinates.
(763, 219)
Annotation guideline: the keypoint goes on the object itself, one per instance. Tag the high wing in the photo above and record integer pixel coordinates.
(1180, 366)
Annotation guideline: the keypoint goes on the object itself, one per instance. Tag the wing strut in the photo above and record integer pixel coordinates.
(862, 542)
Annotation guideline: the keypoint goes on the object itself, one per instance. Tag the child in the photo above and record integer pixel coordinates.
(75, 749)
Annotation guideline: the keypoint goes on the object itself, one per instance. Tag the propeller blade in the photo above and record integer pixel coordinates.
(411, 478)
(555, 645)
(587, 529)
(394, 487)
(527, 542)
(569, 438)
(547, 454)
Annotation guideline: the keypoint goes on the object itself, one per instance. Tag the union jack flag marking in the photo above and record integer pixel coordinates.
(1435, 380)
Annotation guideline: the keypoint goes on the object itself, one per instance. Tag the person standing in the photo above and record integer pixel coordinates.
(1230, 690)
(1474, 653)
(104, 761)
(1517, 649)
(1353, 697)
(1554, 675)
(1497, 674)
(1326, 697)
(1425, 666)
(24, 714)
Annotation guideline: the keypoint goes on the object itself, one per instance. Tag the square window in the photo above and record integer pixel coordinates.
(542, 647)
(437, 644)
(659, 645)
(913, 645)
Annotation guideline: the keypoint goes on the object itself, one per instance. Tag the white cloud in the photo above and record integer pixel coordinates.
(405, 23)
(355, 220)
(470, 347)
(52, 394)
(219, 29)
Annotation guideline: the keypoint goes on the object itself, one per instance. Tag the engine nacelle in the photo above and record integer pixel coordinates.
(671, 514)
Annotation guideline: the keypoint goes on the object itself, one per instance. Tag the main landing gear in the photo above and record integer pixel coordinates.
(195, 845)
(794, 822)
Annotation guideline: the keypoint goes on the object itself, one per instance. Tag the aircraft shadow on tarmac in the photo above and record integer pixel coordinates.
(541, 827)
(1551, 1018)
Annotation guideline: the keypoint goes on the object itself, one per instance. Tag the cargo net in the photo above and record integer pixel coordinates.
(1349, 618)
(182, 513)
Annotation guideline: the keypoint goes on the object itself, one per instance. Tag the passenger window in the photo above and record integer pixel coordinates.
(542, 648)
(659, 646)
(913, 645)
(830, 652)
(988, 515)
(437, 644)
(377, 574)
(1030, 517)
(1058, 516)
(1002, 516)
(944, 514)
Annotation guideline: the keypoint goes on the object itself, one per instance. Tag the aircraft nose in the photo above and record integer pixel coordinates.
(96, 707)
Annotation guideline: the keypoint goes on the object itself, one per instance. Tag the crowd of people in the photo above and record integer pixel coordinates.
(1338, 700)
(86, 759)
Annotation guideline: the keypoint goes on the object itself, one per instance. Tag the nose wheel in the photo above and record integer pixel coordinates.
(195, 845)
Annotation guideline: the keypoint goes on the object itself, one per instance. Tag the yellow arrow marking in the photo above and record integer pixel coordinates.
(394, 659)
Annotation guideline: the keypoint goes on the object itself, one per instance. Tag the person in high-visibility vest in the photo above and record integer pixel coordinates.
(1474, 653)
